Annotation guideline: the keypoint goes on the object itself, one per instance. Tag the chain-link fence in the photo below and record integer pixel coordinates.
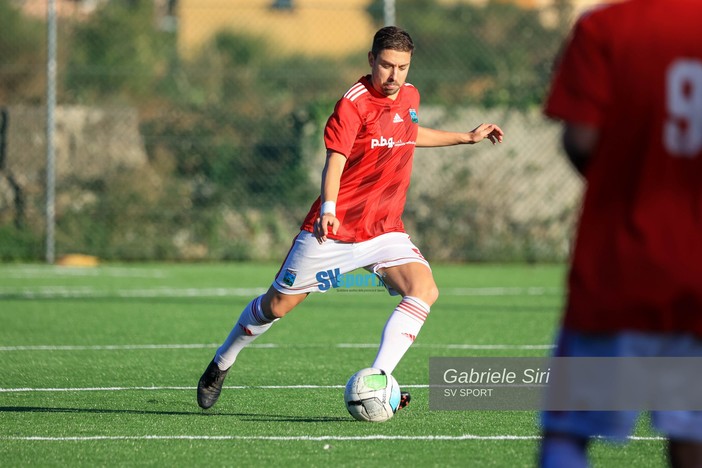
(191, 129)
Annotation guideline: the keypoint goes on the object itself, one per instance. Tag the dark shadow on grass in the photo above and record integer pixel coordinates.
(465, 306)
(242, 416)
(280, 418)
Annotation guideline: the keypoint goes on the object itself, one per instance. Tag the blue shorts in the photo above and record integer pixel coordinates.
(618, 425)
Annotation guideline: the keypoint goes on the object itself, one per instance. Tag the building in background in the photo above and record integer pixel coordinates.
(64, 8)
(312, 27)
(306, 27)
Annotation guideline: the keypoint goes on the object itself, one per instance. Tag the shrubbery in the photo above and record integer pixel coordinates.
(231, 133)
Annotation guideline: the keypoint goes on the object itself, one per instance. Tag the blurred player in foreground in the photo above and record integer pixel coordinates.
(629, 90)
(356, 222)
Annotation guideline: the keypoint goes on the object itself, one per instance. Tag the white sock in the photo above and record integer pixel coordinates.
(251, 324)
(400, 332)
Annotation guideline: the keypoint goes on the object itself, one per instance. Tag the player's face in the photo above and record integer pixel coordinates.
(389, 70)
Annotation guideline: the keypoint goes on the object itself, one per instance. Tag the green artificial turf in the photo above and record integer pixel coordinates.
(98, 367)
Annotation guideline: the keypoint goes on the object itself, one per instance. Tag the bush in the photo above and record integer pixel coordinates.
(18, 245)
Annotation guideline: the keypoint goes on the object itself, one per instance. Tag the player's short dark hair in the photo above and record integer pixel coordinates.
(394, 38)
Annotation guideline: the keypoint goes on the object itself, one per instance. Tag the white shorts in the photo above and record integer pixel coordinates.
(617, 425)
(309, 265)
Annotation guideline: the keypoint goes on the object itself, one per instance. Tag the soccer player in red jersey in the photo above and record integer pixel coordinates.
(357, 221)
(628, 88)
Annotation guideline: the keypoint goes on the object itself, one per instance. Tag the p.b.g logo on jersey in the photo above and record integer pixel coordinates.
(382, 141)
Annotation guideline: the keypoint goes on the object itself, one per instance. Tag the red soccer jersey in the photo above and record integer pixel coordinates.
(377, 135)
(634, 70)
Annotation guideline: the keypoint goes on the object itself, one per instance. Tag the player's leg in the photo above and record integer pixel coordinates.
(296, 278)
(559, 450)
(256, 318)
(566, 433)
(413, 279)
(682, 428)
(685, 453)
(415, 283)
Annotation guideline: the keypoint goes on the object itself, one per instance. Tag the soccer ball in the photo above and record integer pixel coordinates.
(372, 395)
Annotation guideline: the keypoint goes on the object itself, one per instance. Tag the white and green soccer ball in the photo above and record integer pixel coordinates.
(372, 395)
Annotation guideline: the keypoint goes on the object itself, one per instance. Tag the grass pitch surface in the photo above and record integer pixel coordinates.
(98, 366)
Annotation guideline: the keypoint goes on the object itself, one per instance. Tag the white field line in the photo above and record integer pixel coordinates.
(48, 272)
(155, 389)
(263, 346)
(502, 291)
(152, 388)
(304, 438)
(66, 292)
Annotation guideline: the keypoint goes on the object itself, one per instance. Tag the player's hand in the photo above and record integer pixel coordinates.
(324, 225)
(490, 131)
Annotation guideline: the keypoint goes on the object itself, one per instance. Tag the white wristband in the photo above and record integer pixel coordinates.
(328, 207)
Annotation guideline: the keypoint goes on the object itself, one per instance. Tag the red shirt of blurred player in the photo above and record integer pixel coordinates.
(637, 78)
(377, 135)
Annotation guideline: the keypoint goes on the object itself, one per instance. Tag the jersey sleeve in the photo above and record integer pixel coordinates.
(342, 127)
(581, 87)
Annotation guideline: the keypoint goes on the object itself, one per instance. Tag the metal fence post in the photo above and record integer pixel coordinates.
(50, 128)
(389, 12)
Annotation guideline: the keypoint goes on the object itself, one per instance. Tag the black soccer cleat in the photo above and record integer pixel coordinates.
(404, 400)
(210, 385)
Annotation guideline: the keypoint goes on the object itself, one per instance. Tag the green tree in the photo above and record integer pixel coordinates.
(496, 54)
(118, 52)
(23, 52)
(239, 130)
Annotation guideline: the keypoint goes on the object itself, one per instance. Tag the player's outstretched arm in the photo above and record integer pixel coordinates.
(331, 181)
(429, 137)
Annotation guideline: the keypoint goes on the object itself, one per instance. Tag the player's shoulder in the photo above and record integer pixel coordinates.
(357, 92)
(601, 22)
(410, 89)
(606, 11)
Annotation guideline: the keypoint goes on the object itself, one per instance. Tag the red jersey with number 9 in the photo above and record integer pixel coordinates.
(634, 71)
(377, 135)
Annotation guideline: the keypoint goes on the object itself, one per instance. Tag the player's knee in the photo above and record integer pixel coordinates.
(276, 305)
(685, 453)
(275, 309)
(432, 294)
(428, 293)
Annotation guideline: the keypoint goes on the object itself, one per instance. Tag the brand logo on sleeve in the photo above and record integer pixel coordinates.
(413, 115)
